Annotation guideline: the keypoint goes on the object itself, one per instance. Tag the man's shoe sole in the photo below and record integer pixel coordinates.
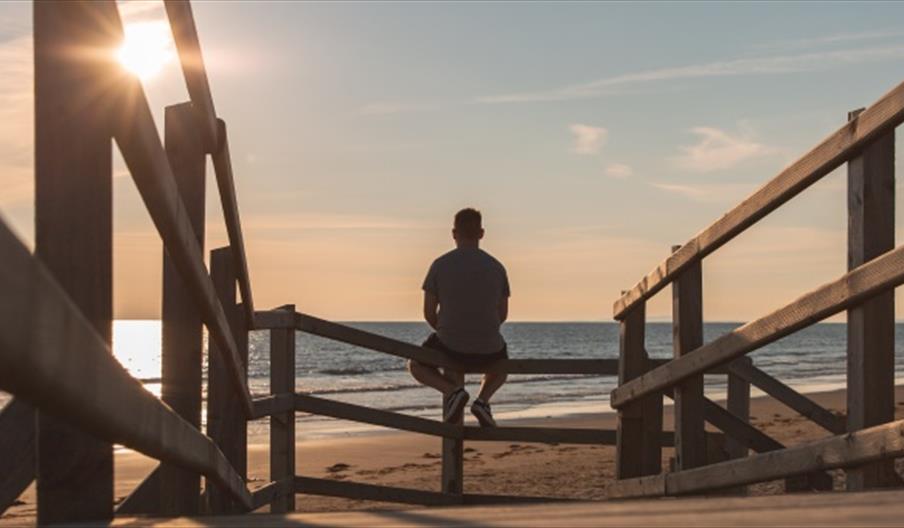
(457, 406)
(485, 421)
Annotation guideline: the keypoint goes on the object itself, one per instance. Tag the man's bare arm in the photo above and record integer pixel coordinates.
(503, 310)
(431, 304)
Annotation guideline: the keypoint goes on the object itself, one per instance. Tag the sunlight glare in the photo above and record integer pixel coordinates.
(146, 48)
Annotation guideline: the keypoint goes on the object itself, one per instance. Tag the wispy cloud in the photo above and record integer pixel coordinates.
(390, 107)
(828, 40)
(719, 150)
(772, 65)
(588, 139)
(619, 171)
(707, 192)
(135, 10)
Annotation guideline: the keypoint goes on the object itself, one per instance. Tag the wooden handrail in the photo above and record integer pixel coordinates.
(886, 113)
(51, 356)
(346, 334)
(788, 396)
(842, 451)
(222, 166)
(140, 145)
(878, 275)
(185, 35)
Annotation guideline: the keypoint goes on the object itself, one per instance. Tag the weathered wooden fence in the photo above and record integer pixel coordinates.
(73, 400)
(869, 440)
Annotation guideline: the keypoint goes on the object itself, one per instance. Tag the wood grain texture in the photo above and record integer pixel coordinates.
(879, 275)
(226, 427)
(48, 350)
(882, 116)
(185, 35)
(871, 325)
(359, 491)
(74, 228)
(788, 396)
(18, 445)
(881, 442)
(222, 167)
(282, 425)
(182, 328)
(143, 153)
(687, 336)
(453, 469)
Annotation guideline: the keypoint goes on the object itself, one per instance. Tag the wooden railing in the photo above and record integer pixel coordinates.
(866, 144)
(284, 402)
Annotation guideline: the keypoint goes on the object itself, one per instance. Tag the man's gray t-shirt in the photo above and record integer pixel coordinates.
(470, 284)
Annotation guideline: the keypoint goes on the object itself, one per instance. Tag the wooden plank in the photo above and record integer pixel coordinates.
(17, 441)
(182, 328)
(871, 326)
(882, 116)
(282, 425)
(883, 442)
(182, 23)
(74, 229)
(639, 450)
(687, 335)
(222, 166)
(228, 429)
(273, 404)
(541, 434)
(785, 394)
(453, 468)
(636, 487)
(876, 276)
(144, 499)
(47, 351)
(358, 413)
(143, 153)
(358, 491)
(738, 404)
(274, 492)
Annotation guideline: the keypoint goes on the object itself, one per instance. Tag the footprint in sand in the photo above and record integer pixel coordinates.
(431, 455)
(336, 468)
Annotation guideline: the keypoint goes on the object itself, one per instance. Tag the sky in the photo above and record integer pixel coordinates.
(592, 136)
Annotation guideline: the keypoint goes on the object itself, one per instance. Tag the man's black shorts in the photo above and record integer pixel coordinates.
(469, 360)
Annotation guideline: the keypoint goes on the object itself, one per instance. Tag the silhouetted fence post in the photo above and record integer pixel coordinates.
(226, 424)
(639, 432)
(687, 326)
(73, 226)
(871, 326)
(282, 425)
(453, 448)
(182, 340)
(738, 404)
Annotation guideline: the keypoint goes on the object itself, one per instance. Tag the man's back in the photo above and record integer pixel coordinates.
(470, 285)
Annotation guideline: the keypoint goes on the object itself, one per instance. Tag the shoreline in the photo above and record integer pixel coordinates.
(412, 460)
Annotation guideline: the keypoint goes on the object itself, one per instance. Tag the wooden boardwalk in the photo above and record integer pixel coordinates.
(876, 508)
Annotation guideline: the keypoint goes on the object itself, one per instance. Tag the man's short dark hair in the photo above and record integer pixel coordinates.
(468, 222)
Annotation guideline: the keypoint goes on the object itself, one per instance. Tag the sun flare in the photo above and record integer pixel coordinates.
(146, 48)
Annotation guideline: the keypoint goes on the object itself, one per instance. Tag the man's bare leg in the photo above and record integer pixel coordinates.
(431, 377)
(491, 383)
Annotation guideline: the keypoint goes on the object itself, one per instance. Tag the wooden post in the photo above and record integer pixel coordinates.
(871, 326)
(738, 404)
(181, 355)
(73, 227)
(638, 436)
(226, 425)
(453, 448)
(282, 426)
(687, 326)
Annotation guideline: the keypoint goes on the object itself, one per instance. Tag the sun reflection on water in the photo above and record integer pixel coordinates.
(136, 345)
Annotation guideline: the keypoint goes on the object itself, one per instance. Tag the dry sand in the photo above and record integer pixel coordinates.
(413, 460)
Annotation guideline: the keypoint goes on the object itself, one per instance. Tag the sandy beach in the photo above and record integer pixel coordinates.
(413, 460)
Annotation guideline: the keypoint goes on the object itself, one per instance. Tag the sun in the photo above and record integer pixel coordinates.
(146, 48)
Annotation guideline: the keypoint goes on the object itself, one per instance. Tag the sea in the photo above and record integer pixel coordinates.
(810, 360)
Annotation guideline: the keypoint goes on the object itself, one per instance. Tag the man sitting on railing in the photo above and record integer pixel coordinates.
(465, 301)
